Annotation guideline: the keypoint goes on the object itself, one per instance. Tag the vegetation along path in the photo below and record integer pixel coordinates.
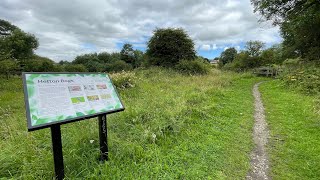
(259, 157)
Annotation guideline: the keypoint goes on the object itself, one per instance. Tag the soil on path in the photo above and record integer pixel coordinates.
(259, 157)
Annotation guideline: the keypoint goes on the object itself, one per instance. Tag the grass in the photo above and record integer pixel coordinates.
(174, 127)
(294, 123)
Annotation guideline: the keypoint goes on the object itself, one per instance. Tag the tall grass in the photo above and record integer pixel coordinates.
(174, 127)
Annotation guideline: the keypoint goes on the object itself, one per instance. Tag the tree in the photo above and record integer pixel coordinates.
(168, 46)
(6, 28)
(227, 56)
(91, 62)
(272, 55)
(298, 20)
(104, 57)
(244, 61)
(139, 58)
(14, 43)
(254, 48)
(127, 53)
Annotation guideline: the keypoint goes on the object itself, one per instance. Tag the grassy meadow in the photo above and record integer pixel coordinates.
(174, 127)
(294, 123)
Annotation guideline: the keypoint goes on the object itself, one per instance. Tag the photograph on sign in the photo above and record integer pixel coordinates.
(52, 98)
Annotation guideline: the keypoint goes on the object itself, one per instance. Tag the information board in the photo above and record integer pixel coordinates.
(56, 98)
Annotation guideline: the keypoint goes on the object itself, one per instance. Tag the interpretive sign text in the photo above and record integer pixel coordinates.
(54, 98)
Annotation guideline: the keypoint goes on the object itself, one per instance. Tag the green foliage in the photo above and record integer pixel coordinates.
(252, 57)
(299, 22)
(109, 62)
(254, 48)
(7, 67)
(302, 77)
(17, 44)
(91, 62)
(272, 55)
(168, 46)
(118, 66)
(75, 68)
(39, 64)
(6, 28)
(105, 57)
(193, 67)
(243, 62)
(139, 58)
(227, 56)
(127, 54)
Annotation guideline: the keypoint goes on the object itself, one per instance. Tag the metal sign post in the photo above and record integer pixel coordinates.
(103, 136)
(57, 151)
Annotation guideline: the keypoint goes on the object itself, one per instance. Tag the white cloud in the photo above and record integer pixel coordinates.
(205, 47)
(62, 27)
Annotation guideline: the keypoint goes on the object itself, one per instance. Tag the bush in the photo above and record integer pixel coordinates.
(75, 68)
(118, 66)
(7, 67)
(40, 64)
(123, 80)
(193, 67)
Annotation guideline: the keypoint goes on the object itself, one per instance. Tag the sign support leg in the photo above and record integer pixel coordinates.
(57, 152)
(103, 136)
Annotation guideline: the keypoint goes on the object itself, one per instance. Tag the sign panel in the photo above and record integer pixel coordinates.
(54, 98)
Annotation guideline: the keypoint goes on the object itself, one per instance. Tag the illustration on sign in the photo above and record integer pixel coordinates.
(59, 97)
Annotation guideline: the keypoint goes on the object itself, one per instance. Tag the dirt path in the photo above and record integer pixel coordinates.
(259, 157)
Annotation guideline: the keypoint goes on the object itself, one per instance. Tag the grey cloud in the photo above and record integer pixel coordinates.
(62, 27)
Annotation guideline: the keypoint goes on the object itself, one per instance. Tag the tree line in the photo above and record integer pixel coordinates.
(254, 55)
(298, 20)
(172, 47)
(167, 47)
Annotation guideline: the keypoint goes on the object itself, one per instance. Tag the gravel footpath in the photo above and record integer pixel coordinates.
(259, 157)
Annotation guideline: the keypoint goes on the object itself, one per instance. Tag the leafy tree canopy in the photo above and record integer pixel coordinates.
(168, 46)
(127, 53)
(14, 43)
(227, 56)
(254, 48)
(299, 21)
(6, 28)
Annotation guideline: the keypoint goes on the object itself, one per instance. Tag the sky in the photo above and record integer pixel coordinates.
(67, 28)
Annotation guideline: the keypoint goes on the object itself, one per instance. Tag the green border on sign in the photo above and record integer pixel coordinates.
(31, 92)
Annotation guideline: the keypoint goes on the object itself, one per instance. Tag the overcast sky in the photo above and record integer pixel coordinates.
(67, 28)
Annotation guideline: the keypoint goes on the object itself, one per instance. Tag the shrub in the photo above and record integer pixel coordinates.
(123, 80)
(75, 68)
(118, 66)
(7, 67)
(193, 67)
(39, 64)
